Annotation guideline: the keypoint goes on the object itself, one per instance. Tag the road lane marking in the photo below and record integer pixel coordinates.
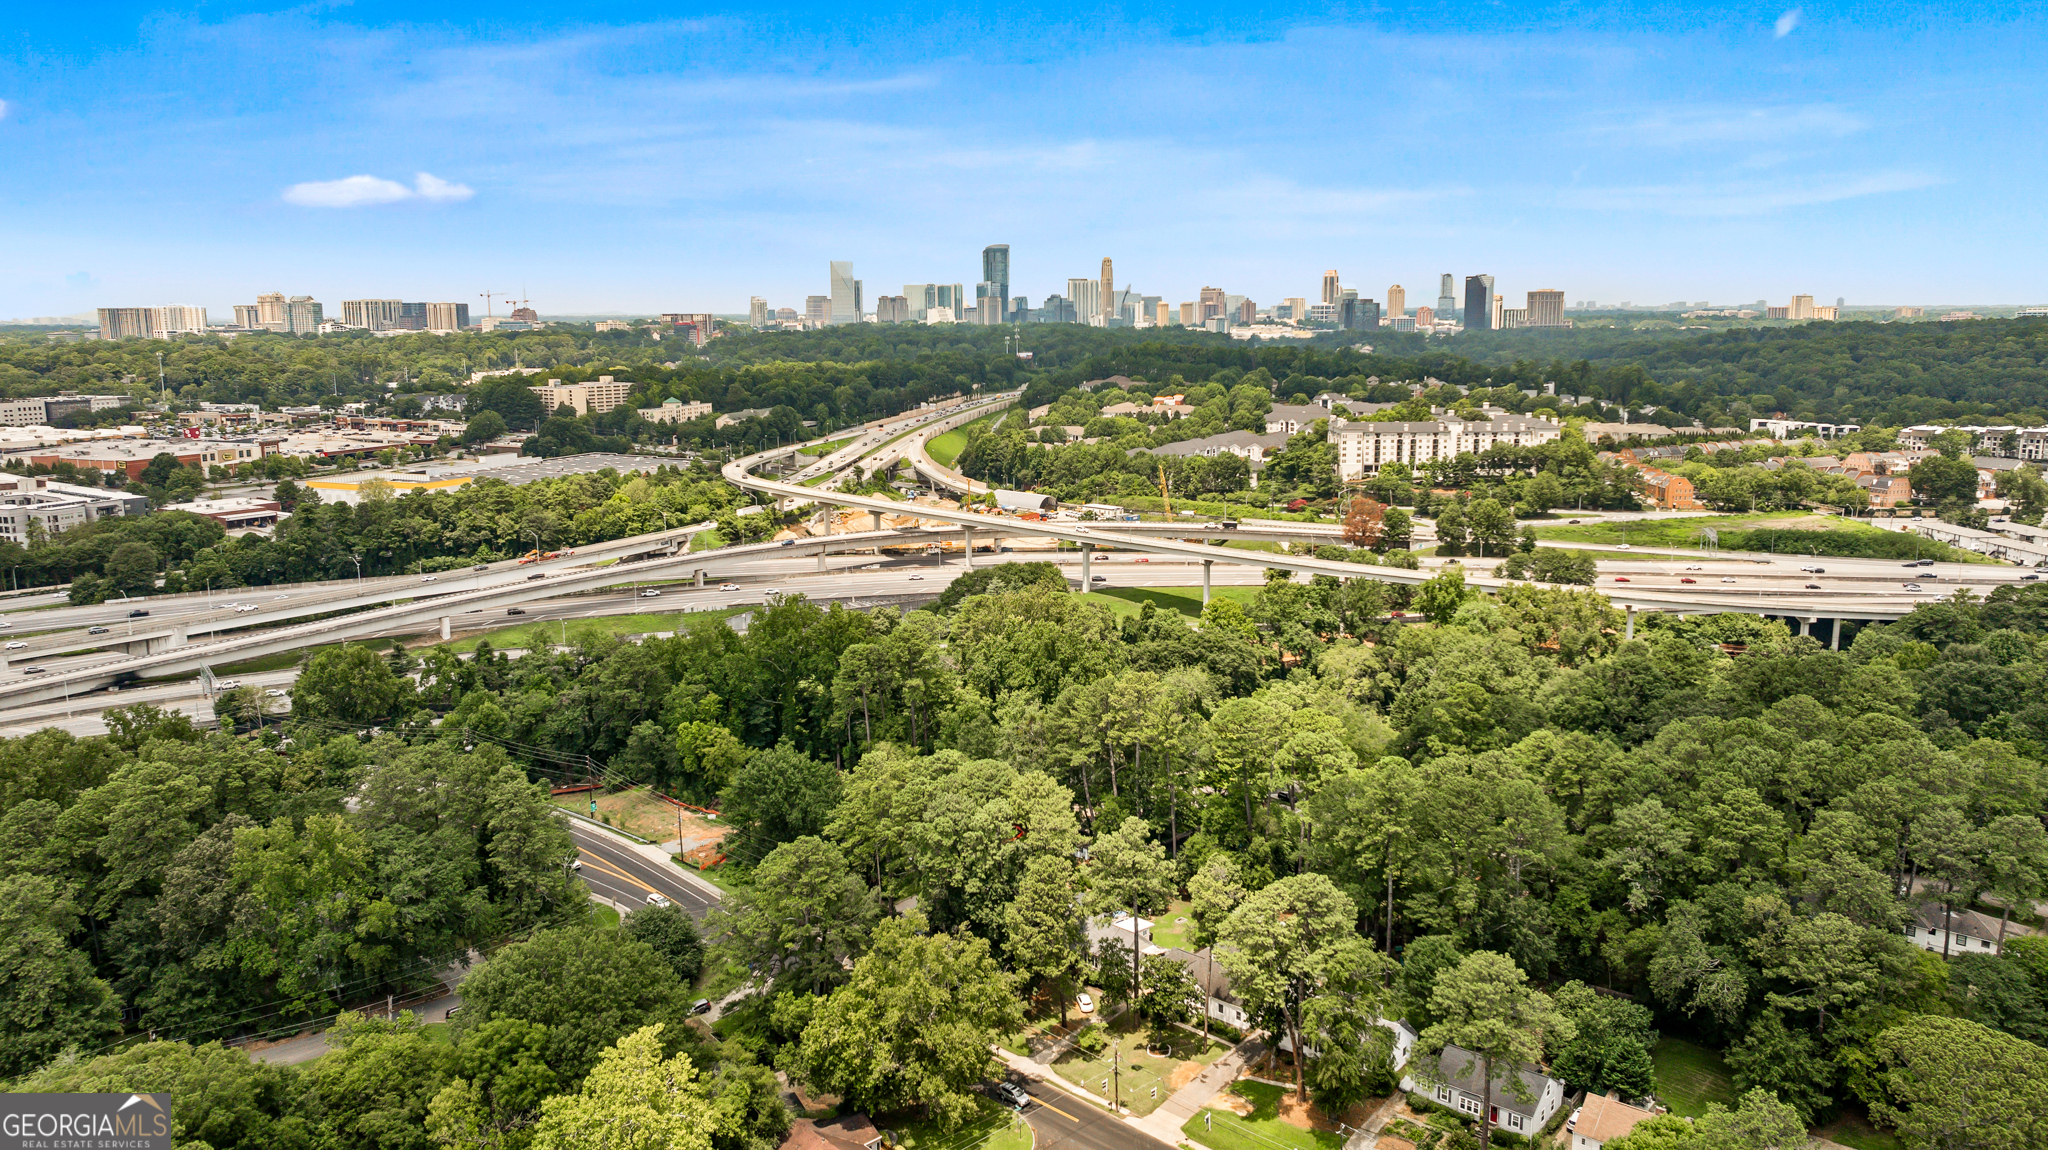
(1044, 1105)
(619, 874)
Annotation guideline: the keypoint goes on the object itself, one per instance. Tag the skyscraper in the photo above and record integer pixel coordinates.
(174, 318)
(270, 310)
(995, 276)
(1478, 303)
(127, 322)
(892, 309)
(440, 316)
(303, 315)
(1500, 303)
(371, 314)
(757, 312)
(1546, 308)
(845, 294)
(817, 311)
(1397, 300)
(1212, 304)
(1447, 298)
(1087, 297)
(1108, 297)
(1332, 289)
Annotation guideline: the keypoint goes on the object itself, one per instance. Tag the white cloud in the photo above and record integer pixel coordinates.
(3, 109)
(1746, 198)
(368, 191)
(1729, 124)
(1786, 23)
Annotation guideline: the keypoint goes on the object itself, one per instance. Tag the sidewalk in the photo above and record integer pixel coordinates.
(1165, 1122)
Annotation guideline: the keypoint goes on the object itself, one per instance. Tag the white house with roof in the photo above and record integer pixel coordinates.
(1963, 932)
(1521, 1104)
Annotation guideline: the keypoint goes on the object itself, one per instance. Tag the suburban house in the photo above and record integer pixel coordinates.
(1523, 1111)
(1967, 931)
(846, 1132)
(1217, 1001)
(1602, 1120)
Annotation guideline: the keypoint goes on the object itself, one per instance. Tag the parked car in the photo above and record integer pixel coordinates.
(1085, 1001)
(701, 1006)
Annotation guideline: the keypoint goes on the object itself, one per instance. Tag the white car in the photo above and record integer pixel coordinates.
(1727, 578)
(728, 586)
(277, 692)
(16, 645)
(228, 685)
(1621, 547)
(650, 593)
(244, 608)
(1912, 586)
(654, 899)
(916, 578)
(1085, 1002)
(427, 579)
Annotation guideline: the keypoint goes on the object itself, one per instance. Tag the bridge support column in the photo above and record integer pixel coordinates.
(445, 635)
(1806, 624)
(1087, 553)
(698, 575)
(874, 521)
(1834, 634)
(967, 545)
(180, 635)
(1208, 568)
(821, 558)
(1630, 632)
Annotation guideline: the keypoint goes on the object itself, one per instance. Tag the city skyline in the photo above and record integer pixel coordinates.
(1702, 155)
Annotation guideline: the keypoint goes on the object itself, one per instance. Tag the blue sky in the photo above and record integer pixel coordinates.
(604, 162)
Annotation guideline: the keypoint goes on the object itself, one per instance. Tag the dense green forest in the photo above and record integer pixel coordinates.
(1468, 817)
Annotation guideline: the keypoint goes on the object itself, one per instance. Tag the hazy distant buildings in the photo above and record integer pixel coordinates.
(1546, 308)
(1108, 288)
(757, 312)
(992, 294)
(126, 322)
(817, 311)
(922, 298)
(1397, 300)
(1478, 303)
(1211, 304)
(1333, 289)
(372, 314)
(447, 317)
(1447, 298)
(1086, 296)
(846, 301)
(892, 309)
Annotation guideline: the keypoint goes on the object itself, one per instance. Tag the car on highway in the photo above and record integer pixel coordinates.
(1912, 586)
(1727, 578)
(1687, 579)
(515, 610)
(656, 898)
(1621, 578)
(33, 670)
(16, 645)
(428, 579)
(1695, 568)
(916, 578)
(138, 613)
(1813, 587)
(1621, 547)
(1923, 563)
(98, 630)
(481, 567)
(1098, 578)
(650, 593)
(228, 685)
(2028, 578)
(245, 608)
(536, 575)
(728, 586)
(277, 692)
(1085, 1002)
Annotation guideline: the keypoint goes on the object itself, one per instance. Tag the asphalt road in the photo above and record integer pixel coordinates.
(1064, 1122)
(615, 870)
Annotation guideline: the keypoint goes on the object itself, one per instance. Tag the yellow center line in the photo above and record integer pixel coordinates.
(618, 874)
(1056, 1110)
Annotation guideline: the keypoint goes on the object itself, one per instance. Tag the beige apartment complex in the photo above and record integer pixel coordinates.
(584, 398)
(1363, 447)
(675, 411)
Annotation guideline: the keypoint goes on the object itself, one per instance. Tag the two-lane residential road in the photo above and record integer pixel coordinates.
(613, 868)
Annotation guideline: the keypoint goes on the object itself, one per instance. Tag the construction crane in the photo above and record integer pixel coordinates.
(487, 296)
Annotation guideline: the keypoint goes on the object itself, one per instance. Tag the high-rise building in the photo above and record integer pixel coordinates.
(176, 318)
(1087, 297)
(1397, 300)
(1332, 289)
(1212, 304)
(412, 317)
(303, 315)
(995, 271)
(1353, 312)
(1478, 303)
(246, 315)
(270, 310)
(1057, 309)
(1425, 318)
(371, 314)
(1499, 305)
(1546, 308)
(846, 304)
(989, 303)
(1802, 307)
(127, 322)
(1108, 296)
(757, 312)
(1188, 318)
(1247, 312)
(924, 297)
(817, 311)
(892, 309)
(447, 316)
(1162, 314)
(1447, 298)
(1297, 308)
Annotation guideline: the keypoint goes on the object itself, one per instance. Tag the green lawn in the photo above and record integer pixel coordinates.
(944, 449)
(1139, 1077)
(1122, 601)
(1789, 532)
(996, 1127)
(1172, 926)
(604, 916)
(1690, 1076)
(1853, 1128)
(1223, 1130)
